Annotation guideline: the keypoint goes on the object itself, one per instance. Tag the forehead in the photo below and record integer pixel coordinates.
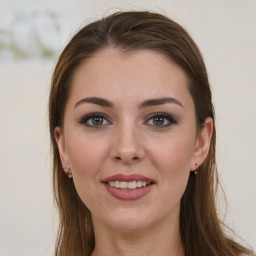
(144, 73)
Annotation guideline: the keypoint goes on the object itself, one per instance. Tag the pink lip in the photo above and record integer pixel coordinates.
(128, 194)
(127, 178)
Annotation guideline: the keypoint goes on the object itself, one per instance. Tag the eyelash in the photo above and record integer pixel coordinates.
(89, 118)
(166, 117)
(84, 120)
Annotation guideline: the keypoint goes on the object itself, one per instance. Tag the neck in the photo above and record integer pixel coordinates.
(162, 239)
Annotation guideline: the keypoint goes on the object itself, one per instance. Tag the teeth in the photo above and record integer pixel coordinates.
(123, 184)
(128, 185)
(139, 184)
(132, 185)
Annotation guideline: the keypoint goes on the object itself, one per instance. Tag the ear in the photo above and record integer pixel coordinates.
(202, 144)
(59, 137)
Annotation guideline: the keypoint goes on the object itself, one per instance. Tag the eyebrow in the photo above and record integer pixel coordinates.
(147, 103)
(95, 100)
(159, 101)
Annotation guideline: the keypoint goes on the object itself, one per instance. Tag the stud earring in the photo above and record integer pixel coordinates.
(197, 167)
(69, 171)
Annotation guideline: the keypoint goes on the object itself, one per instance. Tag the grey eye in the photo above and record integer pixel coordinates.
(94, 120)
(97, 121)
(160, 120)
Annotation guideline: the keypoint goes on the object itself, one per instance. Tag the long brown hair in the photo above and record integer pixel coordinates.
(201, 230)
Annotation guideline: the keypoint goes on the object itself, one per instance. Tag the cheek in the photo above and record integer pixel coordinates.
(173, 155)
(87, 156)
(172, 162)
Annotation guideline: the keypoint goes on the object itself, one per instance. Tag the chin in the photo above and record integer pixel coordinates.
(129, 220)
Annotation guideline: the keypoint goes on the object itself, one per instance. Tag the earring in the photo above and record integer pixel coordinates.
(69, 171)
(197, 168)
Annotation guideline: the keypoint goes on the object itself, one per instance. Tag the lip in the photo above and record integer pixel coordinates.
(128, 194)
(127, 178)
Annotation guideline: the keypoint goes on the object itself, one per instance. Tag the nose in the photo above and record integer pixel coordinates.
(127, 145)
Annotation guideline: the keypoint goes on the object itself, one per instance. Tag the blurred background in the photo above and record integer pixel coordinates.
(32, 35)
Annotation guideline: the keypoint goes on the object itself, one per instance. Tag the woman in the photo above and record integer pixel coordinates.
(133, 135)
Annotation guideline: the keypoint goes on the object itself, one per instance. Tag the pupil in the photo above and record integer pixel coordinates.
(97, 120)
(158, 120)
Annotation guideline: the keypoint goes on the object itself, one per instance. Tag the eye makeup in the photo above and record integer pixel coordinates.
(95, 120)
(99, 120)
(160, 120)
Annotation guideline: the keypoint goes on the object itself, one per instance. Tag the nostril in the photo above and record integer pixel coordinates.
(127, 159)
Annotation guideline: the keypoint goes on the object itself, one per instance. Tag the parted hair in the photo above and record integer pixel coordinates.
(201, 230)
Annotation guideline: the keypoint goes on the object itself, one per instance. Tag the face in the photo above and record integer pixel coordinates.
(130, 138)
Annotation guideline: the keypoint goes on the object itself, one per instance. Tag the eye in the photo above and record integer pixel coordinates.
(96, 120)
(160, 120)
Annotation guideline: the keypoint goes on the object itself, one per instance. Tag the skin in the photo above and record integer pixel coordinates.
(130, 141)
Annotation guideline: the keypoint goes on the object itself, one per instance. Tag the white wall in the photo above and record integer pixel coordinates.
(225, 32)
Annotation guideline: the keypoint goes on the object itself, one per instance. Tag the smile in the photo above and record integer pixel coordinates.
(128, 185)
